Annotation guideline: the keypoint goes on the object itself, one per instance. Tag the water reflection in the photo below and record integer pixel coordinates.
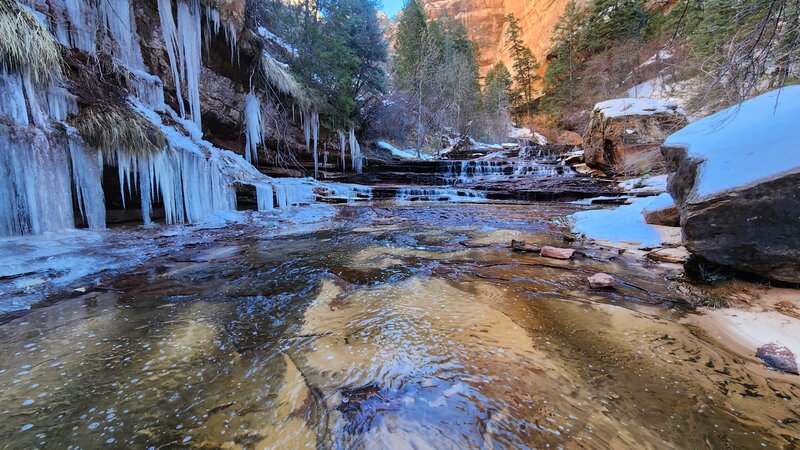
(404, 327)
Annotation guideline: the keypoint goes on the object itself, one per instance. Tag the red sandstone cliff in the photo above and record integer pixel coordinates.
(484, 20)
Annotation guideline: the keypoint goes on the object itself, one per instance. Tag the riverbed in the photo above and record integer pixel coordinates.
(383, 325)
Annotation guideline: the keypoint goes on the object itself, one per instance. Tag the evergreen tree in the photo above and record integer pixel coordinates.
(525, 64)
(410, 43)
(341, 58)
(560, 79)
(497, 88)
(497, 101)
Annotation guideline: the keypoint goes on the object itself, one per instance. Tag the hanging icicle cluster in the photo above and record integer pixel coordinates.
(50, 162)
(355, 153)
(253, 128)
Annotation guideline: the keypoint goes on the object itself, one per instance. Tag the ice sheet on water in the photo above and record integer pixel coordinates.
(622, 224)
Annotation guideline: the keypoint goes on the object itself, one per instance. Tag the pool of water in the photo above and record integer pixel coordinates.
(398, 326)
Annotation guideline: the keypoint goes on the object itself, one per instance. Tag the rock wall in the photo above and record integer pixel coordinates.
(735, 181)
(624, 135)
(484, 20)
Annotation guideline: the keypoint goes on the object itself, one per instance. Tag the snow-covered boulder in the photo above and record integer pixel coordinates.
(525, 134)
(624, 135)
(737, 185)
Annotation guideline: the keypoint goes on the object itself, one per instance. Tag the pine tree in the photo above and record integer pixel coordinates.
(560, 79)
(412, 32)
(497, 88)
(525, 64)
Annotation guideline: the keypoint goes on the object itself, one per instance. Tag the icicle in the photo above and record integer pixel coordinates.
(355, 153)
(315, 136)
(171, 43)
(188, 34)
(343, 146)
(307, 130)
(117, 18)
(253, 130)
(264, 197)
(87, 175)
(35, 183)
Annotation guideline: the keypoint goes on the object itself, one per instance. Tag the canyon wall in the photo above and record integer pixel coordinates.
(484, 20)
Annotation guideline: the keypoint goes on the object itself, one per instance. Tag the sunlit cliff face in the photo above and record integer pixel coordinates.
(484, 20)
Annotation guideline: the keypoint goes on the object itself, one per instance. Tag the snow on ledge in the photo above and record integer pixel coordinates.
(747, 143)
(619, 107)
(403, 154)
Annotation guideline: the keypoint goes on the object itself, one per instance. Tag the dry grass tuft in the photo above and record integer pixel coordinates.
(112, 127)
(277, 75)
(26, 44)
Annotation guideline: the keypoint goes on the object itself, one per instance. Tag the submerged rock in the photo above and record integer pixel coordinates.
(778, 357)
(522, 246)
(624, 135)
(601, 280)
(557, 253)
(736, 182)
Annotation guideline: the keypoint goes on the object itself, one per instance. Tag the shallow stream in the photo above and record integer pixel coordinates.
(398, 326)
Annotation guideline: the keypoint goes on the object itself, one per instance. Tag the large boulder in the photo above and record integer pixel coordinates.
(624, 135)
(737, 185)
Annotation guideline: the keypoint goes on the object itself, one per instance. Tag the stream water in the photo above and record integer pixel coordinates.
(398, 326)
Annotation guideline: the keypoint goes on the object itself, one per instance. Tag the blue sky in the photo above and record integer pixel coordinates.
(391, 7)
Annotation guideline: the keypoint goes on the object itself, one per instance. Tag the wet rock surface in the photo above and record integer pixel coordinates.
(778, 357)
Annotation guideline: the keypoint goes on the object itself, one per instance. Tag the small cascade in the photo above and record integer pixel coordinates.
(314, 128)
(437, 194)
(470, 171)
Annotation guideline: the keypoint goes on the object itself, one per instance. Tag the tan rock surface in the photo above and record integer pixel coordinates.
(484, 21)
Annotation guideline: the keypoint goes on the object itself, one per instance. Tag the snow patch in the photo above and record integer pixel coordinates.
(620, 107)
(744, 144)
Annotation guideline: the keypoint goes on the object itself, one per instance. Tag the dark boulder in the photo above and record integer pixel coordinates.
(736, 182)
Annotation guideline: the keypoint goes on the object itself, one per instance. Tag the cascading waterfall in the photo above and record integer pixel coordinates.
(253, 128)
(470, 171)
(436, 194)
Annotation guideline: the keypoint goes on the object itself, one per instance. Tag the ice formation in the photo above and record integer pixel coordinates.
(355, 153)
(342, 145)
(49, 174)
(253, 130)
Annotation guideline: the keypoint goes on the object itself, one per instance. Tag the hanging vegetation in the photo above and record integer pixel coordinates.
(277, 75)
(26, 44)
(113, 128)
